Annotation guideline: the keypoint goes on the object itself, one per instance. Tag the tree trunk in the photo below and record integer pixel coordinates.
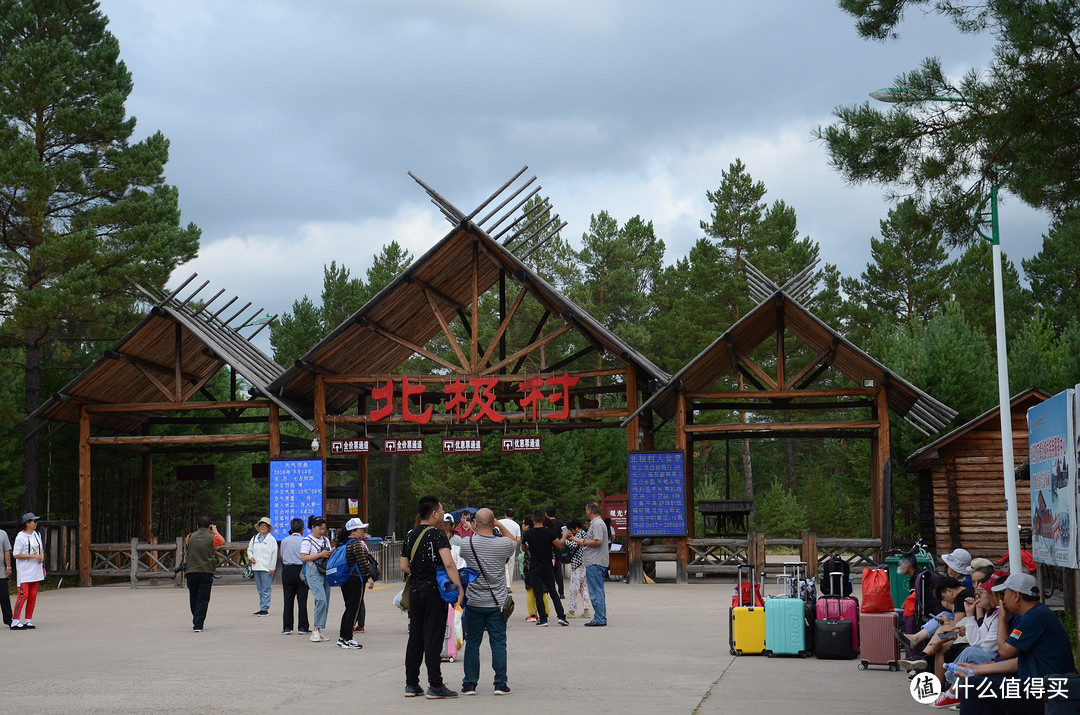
(29, 500)
(391, 495)
(748, 468)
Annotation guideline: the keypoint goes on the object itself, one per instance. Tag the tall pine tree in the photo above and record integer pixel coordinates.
(81, 207)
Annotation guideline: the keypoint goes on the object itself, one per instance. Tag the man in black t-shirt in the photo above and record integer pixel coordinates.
(427, 609)
(539, 541)
(557, 525)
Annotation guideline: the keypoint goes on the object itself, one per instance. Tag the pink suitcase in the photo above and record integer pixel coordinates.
(878, 645)
(830, 607)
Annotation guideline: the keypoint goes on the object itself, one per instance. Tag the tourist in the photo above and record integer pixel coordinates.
(512, 530)
(595, 560)
(352, 591)
(314, 551)
(539, 542)
(557, 525)
(293, 586)
(201, 559)
(579, 590)
(29, 556)
(262, 553)
(5, 599)
(488, 554)
(425, 548)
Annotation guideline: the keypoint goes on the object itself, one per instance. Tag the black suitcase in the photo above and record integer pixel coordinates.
(832, 639)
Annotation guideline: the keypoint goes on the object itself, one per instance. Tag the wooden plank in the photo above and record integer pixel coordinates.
(501, 330)
(530, 348)
(172, 406)
(84, 497)
(446, 330)
(781, 427)
(177, 439)
(781, 394)
(379, 379)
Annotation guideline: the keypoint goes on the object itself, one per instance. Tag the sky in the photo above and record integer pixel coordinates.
(293, 124)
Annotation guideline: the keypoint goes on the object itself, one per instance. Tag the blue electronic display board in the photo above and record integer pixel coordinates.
(296, 490)
(657, 494)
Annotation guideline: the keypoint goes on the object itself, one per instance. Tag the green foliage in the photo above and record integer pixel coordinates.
(1012, 122)
(778, 513)
(1054, 272)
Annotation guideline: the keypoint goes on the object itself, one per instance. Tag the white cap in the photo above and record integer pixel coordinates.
(958, 560)
(353, 524)
(1021, 583)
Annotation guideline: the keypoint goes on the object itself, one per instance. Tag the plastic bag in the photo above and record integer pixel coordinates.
(876, 595)
(457, 626)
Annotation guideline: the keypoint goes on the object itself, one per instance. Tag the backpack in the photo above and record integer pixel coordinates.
(337, 566)
(828, 584)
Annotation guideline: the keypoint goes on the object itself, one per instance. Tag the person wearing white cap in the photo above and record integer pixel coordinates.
(353, 588)
(262, 553)
(30, 570)
(958, 565)
(1033, 643)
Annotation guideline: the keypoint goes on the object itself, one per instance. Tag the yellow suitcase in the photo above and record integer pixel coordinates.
(747, 630)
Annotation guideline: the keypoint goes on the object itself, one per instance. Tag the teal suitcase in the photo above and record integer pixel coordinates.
(786, 627)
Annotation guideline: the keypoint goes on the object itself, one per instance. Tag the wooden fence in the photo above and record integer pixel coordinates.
(725, 556)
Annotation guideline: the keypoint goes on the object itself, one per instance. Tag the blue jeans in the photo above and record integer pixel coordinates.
(594, 579)
(932, 625)
(263, 579)
(320, 589)
(971, 654)
(475, 622)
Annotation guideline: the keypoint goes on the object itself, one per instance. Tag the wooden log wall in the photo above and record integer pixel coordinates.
(969, 493)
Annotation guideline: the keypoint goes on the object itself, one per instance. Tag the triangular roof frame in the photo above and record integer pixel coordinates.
(928, 452)
(420, 303)
(141, 367)
(833, 350)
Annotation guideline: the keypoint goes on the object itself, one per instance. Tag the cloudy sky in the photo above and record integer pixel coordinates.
(293, 124)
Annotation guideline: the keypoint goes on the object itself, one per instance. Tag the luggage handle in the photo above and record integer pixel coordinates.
(739, 582)
(838, 595)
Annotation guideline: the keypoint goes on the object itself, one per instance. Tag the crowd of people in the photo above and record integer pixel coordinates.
(489, 550)
(994, 645)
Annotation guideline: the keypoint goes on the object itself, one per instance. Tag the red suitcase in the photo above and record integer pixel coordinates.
(877, 644)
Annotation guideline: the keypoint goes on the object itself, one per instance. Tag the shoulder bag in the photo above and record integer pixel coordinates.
(408, 577)
(507, 608)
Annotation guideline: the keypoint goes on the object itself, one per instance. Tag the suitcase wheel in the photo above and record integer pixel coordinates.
(863, 665)
(733, 651)
(768, 654)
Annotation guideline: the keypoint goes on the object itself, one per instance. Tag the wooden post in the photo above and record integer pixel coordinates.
(362, 512)
(635, 572)
(682, 554)
(808, 552)
(180, 556)
(320, 430)
(273, 423)
(884, 460)
(145, 512)
(134, 563)
(84, 497)
(755, 552)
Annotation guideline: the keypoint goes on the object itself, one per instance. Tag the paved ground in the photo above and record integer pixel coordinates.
(114, 649)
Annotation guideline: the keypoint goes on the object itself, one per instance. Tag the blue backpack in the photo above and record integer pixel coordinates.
(337, 566)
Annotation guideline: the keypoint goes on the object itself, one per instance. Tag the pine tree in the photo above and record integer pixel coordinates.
(82, 208)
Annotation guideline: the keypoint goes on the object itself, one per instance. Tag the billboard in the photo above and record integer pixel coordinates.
(1052, 456)
(296, 490)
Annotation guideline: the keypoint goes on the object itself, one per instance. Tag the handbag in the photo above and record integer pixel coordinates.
(408, 577)
(507, 608)
(373, 566)
(248, 572)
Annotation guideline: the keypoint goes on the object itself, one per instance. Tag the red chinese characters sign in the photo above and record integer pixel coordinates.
(474, 399)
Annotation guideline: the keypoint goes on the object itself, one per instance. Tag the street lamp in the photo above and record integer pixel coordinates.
(1012, 521)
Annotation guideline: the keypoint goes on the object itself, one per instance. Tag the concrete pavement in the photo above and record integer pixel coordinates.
(114, 649)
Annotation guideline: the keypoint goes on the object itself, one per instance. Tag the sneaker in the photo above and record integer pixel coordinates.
(439, 693)
(196, 630)
(595, 624)
(542, 624)
(28, 624)
(563, 622)
(348, 644)
(412, 691)
(16, 626)
(530, 619)
(915, 665)
(946, 700)
(502, 689)
(316, 636)
(261, 613)
(304, 631)
(469, 689)
(286, 631)
(903, 639)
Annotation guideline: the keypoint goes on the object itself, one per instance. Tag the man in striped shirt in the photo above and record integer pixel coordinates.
(488, 554)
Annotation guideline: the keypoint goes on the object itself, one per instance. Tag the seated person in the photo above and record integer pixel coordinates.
(939, 631)
(980, 625)
(981, 569)
(958, 565)
(1037, 647)
(908, 566)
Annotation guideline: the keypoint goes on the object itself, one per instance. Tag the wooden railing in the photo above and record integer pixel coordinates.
(725, 556)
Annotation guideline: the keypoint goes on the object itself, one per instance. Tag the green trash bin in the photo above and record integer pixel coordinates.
(900, 586)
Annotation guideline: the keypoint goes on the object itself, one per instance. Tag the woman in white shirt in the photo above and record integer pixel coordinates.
(262, 553)
(29, 554)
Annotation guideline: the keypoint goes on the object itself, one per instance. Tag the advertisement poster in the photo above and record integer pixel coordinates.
(1052, 456)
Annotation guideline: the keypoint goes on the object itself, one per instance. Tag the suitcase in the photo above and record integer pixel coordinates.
(877, 645)
(746, 623)
(838, 608)
(832, 639)
(450, 638)
(787, 621)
